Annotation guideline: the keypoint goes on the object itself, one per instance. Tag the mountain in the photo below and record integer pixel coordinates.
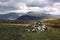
(11, 16)
(33, 16)
(38, 14)
(28, 17)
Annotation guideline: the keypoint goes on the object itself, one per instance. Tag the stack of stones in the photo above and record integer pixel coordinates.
(37, 27)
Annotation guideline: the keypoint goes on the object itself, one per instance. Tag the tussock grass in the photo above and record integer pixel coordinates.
(11, 32)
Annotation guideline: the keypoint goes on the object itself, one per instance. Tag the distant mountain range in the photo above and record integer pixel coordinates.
(11, 16)
(33, 16)
(22, 16)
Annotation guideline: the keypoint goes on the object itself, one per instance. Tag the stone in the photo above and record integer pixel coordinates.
(39, 26)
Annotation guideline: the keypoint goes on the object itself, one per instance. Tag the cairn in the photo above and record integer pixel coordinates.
(39, 26)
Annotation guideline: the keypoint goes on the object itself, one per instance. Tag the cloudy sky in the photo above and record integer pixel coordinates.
(24, 6)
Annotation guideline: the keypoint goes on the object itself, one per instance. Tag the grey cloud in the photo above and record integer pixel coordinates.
(28, 2)
(4, 0)
(50, 3)
(42, 4)
(54, 0)
(7, 8)
(11, 4)
(39, 5)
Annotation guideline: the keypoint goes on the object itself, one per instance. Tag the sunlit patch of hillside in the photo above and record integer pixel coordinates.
(17, 21)
(53, 24)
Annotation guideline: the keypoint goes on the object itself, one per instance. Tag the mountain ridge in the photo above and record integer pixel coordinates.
(33, 16)
(11, 16)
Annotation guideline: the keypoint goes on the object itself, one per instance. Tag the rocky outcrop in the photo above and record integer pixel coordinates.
(39, 26)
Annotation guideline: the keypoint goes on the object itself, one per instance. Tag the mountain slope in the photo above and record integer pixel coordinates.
(33, 16)
(28, 17)
(11, 16)
(38, 14)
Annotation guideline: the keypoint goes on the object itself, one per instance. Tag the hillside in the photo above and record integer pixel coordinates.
(34, 16)
(53, 24)
(28, 17)
(10, 32)
(11, 16)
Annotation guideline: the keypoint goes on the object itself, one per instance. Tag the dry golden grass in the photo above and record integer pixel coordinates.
(53, 25)
(18, 24)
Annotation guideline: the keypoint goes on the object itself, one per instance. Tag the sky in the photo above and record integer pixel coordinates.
(24, 6)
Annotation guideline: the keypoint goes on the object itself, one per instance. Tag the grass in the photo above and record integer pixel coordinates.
(11, 32)
(53, 23)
